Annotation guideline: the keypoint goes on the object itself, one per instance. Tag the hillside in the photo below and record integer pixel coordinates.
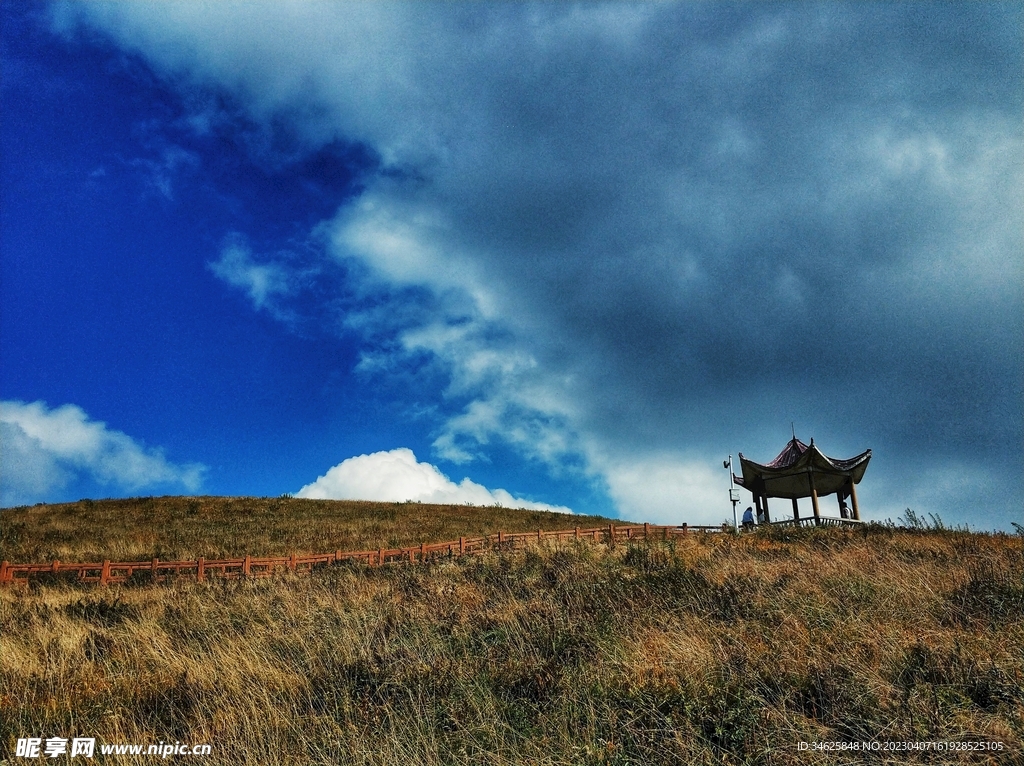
(709, 649)
(218, 527)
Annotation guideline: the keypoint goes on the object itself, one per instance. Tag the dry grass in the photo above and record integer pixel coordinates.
(225, 527)
(706, 650)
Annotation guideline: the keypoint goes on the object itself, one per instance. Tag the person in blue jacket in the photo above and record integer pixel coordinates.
(748, 518)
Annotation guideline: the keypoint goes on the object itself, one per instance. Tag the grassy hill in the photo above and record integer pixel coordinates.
(709, 649)
(223, 527)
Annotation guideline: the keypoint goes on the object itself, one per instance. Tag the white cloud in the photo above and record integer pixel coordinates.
(397, 476)
(160, 173)
(510, 397)
(44, 450)
(669, 489)
(262, 282)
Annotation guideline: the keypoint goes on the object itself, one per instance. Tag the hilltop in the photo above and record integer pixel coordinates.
(219, 527)
(708, 649)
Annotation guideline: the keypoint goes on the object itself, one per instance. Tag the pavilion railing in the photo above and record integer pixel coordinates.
(820, 521)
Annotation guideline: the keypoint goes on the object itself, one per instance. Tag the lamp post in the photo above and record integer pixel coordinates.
(734, 494)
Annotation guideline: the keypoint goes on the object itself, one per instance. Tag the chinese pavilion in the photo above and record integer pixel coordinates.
(802, 470)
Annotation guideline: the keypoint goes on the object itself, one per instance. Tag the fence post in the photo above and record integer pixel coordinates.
(412, 555)
(462, 546)
(201, 569)
(55, 566)
(685, 530)
(105, 572)
(291, 562)
(380, 556)
(3, 571)
(423, 553)
(501, 537)
(246, 565)
(540, 535)
(611, 535)
(646, 529)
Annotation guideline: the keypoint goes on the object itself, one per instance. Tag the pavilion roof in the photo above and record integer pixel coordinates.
(794, 469)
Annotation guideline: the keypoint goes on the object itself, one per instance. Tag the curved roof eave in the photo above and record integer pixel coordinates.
(794, 480)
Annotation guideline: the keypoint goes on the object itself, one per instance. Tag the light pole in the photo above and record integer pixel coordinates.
(734, 494)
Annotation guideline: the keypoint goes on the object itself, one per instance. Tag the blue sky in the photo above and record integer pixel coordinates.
(571, 255)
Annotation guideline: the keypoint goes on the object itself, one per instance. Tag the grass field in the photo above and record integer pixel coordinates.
(709, 649)
(224, 527)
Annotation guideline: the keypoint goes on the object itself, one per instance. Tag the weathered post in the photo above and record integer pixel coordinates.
(814, 500)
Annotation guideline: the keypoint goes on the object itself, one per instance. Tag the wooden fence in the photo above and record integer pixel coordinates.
(107, 572)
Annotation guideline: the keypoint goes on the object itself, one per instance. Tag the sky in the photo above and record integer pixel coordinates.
(564, 256)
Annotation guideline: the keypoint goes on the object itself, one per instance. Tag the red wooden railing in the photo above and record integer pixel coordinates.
(108, 572)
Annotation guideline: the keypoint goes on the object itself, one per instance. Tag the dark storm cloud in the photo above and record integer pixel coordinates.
(807, 203)
(680, 227)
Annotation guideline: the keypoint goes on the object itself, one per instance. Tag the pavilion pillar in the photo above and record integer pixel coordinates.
(767, 518)
(796, 511)
(814, 500)
(853, 501)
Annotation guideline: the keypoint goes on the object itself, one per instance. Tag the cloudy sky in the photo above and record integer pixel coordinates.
(569, 255)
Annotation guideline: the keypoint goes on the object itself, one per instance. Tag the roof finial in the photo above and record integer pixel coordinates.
(794, 429)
